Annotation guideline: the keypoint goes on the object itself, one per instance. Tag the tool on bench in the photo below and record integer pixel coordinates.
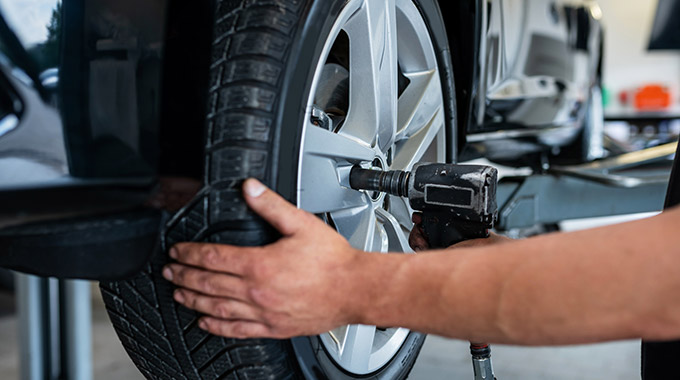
(458, 203)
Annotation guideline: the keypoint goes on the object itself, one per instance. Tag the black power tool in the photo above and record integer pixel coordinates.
(458, 202)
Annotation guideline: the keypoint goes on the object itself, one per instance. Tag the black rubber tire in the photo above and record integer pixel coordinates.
(263, 58)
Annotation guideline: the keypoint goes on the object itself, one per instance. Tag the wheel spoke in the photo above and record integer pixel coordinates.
(321, 192)
(372, 114)
(401, 210)
(410, 151)
(324, 143)
(325, 156)
(395, 234)
(357, 225)
(356, 352)
(419, 103)
(414, 45)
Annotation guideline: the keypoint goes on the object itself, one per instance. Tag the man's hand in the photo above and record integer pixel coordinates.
(296, 286)
(418, 241)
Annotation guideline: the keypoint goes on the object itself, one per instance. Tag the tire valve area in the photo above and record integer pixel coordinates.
(321, 119)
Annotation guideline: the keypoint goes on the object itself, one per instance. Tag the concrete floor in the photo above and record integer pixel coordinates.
(449, 359)
(110, 362)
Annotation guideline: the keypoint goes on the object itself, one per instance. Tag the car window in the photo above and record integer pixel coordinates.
(37, 26)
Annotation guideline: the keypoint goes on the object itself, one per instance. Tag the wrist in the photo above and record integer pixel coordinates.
(358, 282)
(374, 283)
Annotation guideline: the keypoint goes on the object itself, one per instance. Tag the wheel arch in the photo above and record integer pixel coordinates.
(464, 24)
(442, 38)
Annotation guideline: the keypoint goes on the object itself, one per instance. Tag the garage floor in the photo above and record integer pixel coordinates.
(440, 358)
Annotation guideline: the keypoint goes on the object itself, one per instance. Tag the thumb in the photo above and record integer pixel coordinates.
(280, 213)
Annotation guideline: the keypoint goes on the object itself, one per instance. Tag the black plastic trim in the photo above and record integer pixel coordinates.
(112, 247)
(464, 29)
(659, 358)
(68, 199)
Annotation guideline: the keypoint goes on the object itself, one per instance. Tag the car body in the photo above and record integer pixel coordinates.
(132, 79)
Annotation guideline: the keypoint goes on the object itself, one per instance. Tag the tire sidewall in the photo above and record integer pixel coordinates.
(314, 360)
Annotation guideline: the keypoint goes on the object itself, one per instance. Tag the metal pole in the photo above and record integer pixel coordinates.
(77, 329)
(52, 334)
(32, 328)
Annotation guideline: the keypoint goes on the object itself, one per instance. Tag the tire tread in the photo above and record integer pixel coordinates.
(250, 47)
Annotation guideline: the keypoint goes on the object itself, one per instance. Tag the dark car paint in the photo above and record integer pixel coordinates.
(132, 99)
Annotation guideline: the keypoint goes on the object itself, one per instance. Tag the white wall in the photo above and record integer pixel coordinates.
(628, 64)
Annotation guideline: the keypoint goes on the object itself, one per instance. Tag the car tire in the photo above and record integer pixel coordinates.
(266, 57)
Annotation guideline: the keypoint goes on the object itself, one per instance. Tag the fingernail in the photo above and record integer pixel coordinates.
(179, 296)
(254, 188)
(173, 253)
(203, 324)
(167, 273)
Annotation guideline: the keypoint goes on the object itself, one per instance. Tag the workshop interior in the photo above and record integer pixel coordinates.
(127, 126)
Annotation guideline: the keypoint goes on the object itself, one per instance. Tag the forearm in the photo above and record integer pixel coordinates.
(610, 283)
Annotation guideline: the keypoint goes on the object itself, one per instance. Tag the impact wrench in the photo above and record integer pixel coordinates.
(458, 203)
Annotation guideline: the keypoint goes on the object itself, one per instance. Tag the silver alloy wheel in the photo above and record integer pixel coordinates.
(394, 119)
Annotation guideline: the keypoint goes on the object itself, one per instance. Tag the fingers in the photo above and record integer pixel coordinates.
(417, 241)
(416, 238)
(236, 329)
(216, 257)
(206, 282)
(280, 213)
(218, 307)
